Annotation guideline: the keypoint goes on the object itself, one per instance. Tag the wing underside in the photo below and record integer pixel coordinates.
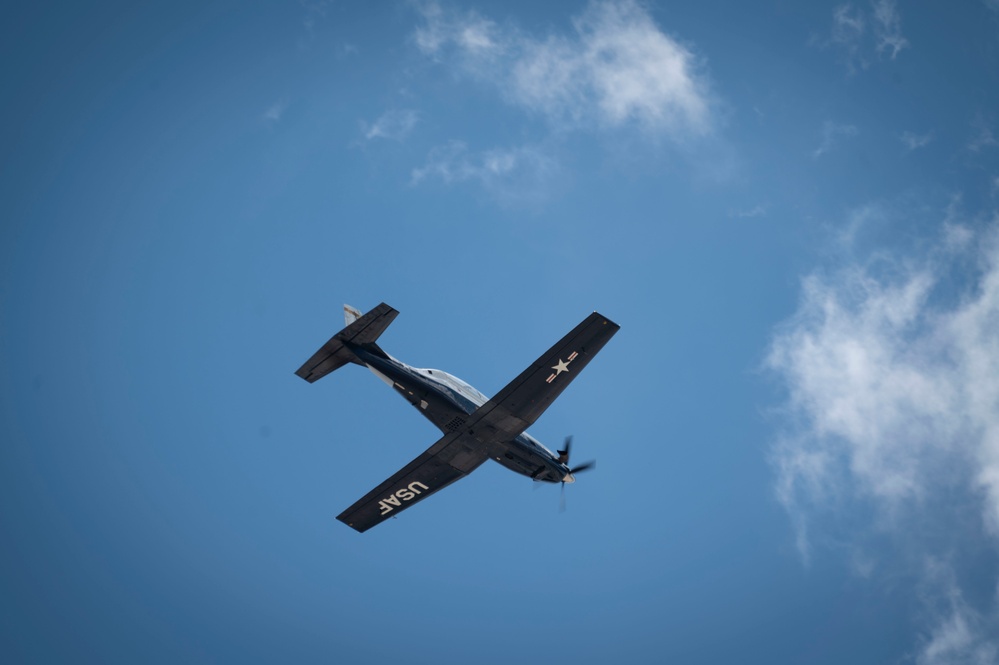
(450, 459)
(517, 406)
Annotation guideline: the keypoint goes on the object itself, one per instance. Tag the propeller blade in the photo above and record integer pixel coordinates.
(564, 459)
(564, 454)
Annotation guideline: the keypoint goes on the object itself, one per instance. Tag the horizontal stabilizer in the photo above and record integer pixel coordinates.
(334, 354)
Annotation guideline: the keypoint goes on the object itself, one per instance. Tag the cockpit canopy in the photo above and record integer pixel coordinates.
(454, 383)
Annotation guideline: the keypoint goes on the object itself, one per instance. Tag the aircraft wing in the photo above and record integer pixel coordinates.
(523, 400)
(451, 458)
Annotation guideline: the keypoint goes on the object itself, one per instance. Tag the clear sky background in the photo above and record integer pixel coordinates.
(790, 208)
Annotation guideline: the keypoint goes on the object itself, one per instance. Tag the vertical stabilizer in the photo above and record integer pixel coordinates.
(350, 314)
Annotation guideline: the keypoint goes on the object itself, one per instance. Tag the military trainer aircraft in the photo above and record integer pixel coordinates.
(475, 428)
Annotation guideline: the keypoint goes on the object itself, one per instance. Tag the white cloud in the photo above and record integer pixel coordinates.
(849, 33)
(476, 36)
(913, 141)
(831, 134)
(450, 163)
(395, 125)
(890, 429)
(889, 383)
(616, 68)
(513, 175)
(958, 633)
(888, 28)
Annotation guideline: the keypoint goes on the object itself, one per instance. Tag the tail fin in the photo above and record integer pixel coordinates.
(360, 330)
(350, 314)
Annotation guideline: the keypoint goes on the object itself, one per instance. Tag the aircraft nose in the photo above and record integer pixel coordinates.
(569, 478)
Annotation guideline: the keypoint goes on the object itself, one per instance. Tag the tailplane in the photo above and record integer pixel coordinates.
(361, 330)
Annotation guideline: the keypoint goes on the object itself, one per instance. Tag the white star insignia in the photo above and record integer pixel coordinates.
(561, 367)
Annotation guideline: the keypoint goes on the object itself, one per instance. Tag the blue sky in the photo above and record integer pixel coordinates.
(790, 209)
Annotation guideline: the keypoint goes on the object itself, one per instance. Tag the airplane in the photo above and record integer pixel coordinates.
(475, 428)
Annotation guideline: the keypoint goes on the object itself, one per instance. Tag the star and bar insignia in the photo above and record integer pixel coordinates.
(562, 366)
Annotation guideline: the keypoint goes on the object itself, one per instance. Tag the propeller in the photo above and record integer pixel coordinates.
(563, 457)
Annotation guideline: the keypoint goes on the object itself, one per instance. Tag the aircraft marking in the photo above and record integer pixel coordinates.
(392, 501)
(561, 367)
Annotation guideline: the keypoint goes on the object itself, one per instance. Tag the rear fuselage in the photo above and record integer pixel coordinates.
(447, 401)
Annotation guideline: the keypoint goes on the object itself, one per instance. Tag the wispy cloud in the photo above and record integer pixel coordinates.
(848, 29)
(888, 28)
(957, 632)
(395, 125)
(315, 11)
(891, 424)
(913, 141)
(468, 32)
(859, 35)
(756, 211)
(517, 175)
(616, 68)
(862, 218)
(984, 136)
(832, 133)
(275, 111)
